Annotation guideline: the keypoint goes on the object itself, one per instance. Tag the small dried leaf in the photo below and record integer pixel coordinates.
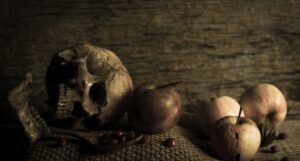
(268, 133)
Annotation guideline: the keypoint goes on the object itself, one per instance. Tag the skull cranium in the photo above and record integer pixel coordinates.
(85, 82)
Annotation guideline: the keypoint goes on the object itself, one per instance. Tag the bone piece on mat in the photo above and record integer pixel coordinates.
(35, 127)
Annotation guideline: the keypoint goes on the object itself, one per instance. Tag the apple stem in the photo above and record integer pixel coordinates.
(170, 84)
(239, 116)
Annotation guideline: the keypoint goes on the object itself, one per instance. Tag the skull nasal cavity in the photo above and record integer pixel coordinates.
(98, 93)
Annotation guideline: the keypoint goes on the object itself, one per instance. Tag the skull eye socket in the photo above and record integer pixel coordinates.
(98, 93)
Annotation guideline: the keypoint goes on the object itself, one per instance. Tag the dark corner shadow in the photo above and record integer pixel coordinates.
(13, 144)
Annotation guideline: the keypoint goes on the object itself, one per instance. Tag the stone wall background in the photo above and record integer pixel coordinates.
(219, 47)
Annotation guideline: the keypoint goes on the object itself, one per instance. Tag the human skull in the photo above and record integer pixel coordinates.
(88, 84)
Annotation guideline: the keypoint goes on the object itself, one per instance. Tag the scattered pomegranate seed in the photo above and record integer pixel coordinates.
(113, 142)
(145, 139)
(170, 142)
(274, 149)
(282, 136)
(284, 159)
(62, 141)
(119, 134)
(131, 135)
(122, 139)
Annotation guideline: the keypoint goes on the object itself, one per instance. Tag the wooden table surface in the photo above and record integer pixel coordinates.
(289, 147)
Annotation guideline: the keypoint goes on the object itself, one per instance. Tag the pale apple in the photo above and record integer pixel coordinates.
(232, 139)
(212, 110)
(264, 101)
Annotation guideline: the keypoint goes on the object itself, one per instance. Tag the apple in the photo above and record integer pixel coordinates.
(155, 109)
(264, 101)
(212, 110)
(266, 105)
(235, 138)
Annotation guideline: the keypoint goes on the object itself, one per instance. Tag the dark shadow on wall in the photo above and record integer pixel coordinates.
(26, 45)
(223, 46)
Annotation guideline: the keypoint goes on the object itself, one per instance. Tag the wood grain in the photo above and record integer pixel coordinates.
(219, 47)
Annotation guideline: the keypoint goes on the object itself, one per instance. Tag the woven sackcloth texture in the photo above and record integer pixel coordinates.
(190, 145)
(187, 148)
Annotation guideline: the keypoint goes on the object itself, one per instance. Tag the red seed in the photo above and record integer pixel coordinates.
(118, 134)
(284, 159)
(170, 142)
(113, 142)
(145, 139)
(122, 139)
(130, 135)
(62, 141)
(274, 149)
(282, 136)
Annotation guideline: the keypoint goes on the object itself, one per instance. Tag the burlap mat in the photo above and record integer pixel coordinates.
(188, 147)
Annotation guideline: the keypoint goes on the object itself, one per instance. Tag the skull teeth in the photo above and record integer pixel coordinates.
(64, 106)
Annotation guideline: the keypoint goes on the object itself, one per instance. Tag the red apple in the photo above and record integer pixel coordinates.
(235, 138)
(155, 109)
(212, 110)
